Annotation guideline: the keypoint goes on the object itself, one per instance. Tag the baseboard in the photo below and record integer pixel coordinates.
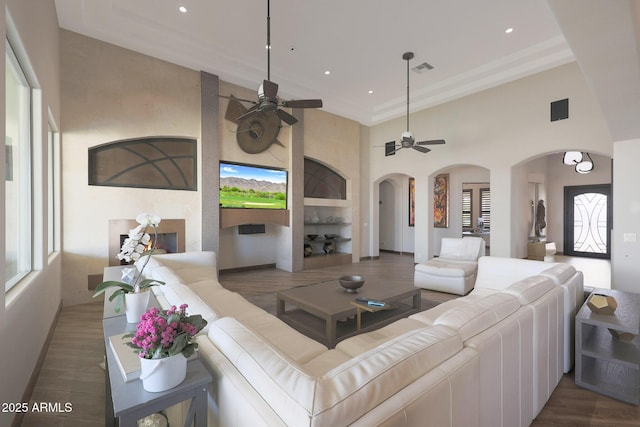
(248, 268)
(388, 251)
(26, 397)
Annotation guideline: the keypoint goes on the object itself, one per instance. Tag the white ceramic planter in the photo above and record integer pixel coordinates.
(162, 374)
(135, 304)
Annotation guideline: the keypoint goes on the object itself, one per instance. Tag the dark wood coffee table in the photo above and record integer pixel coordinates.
(324, 311)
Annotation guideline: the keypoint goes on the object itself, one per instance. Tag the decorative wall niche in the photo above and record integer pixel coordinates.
(152, 162)
(322, 182)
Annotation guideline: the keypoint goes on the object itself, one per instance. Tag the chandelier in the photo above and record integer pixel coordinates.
(582, 161)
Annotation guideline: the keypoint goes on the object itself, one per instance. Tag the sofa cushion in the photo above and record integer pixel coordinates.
(181, 294)
(367, 380)
(358, 344)
(346, 391)
(285, 387)
(530, 289)
(499, 272)
(447, 268)
(559, 273)
(166, 275)
(471, 319)
(429, 316)
(462, 249)
(325, 361)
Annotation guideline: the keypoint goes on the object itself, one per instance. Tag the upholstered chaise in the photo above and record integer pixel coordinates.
(454, 271)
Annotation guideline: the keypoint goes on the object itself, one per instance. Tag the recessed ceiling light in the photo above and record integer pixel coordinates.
(182, 9)
(509, 30)
(370, 91)
(327, 72)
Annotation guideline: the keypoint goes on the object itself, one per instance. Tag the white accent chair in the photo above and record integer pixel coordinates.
(454, 271)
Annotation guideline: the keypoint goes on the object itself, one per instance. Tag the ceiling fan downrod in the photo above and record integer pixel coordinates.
(407, 57)
(268, 41)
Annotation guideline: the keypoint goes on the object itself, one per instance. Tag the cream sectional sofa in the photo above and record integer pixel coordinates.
(491, 358)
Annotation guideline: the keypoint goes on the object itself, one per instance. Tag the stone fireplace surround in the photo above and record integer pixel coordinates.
(121, 227)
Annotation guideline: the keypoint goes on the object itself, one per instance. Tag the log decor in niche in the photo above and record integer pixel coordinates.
(150, 162)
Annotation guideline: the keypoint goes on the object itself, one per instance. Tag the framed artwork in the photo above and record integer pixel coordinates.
(441, 201)
(412, 202)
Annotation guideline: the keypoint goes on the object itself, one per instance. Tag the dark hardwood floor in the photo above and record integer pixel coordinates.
(71, 372)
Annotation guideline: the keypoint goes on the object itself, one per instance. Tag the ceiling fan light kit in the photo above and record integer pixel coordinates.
(407, 139)
(582, 161)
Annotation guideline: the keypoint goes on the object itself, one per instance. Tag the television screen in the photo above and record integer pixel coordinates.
(252, 186)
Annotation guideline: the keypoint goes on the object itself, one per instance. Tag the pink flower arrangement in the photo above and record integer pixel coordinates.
(165, 333)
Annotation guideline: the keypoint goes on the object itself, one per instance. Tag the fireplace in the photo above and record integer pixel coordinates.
(170, 236)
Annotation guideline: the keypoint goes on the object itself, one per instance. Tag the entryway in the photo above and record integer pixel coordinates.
(587, 221)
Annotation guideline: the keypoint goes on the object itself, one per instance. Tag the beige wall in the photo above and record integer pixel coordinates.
(111, 94)
(28, 310)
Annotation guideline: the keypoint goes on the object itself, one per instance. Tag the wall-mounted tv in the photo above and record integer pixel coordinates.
(252, 187)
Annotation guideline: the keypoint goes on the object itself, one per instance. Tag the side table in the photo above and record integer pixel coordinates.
(128, 401)
(604, 363)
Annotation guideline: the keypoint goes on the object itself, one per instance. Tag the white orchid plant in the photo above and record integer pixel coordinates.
(132, 249)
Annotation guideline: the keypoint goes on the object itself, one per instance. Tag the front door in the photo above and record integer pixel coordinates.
(587, 221)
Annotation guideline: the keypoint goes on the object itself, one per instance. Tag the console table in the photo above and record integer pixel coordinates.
(605, 363)
(128, 401)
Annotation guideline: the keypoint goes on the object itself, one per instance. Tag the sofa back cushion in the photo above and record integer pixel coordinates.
(500, 272)
(559, 273)
(530, 289)
(344, 393)
(471, 319)
(462, 249)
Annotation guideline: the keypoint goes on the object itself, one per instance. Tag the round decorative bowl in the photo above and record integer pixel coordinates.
(312, 236)
(351, 284)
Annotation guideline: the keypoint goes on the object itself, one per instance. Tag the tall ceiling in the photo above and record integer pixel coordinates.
(360, 42)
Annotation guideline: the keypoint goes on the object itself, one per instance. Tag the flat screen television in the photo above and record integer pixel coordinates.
(252, 187)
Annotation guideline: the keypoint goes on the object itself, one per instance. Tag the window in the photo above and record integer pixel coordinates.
(52, 192)
(485, 207)
(467, 204)
(18, 196)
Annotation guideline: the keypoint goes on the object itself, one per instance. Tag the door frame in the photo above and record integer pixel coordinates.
(569, 193)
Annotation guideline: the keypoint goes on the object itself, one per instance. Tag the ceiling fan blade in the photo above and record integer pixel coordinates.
(303, 103)
(251, 111)
(421, 149)
(270, 89)
(431, 142)
(286, 117)
(234, 110)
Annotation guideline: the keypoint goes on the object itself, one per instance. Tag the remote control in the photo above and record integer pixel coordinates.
(371, 302)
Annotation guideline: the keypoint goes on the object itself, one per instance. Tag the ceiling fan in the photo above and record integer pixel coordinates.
(268, 101)
(407, 139)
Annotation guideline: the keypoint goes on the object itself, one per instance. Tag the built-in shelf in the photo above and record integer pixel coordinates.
(322, 260)
(230, 217)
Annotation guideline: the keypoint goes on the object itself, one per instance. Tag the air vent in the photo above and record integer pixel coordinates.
(425, 66)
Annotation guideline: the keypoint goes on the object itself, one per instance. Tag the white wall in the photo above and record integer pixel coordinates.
(28, 310)
(496, 129)
(625, 256)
